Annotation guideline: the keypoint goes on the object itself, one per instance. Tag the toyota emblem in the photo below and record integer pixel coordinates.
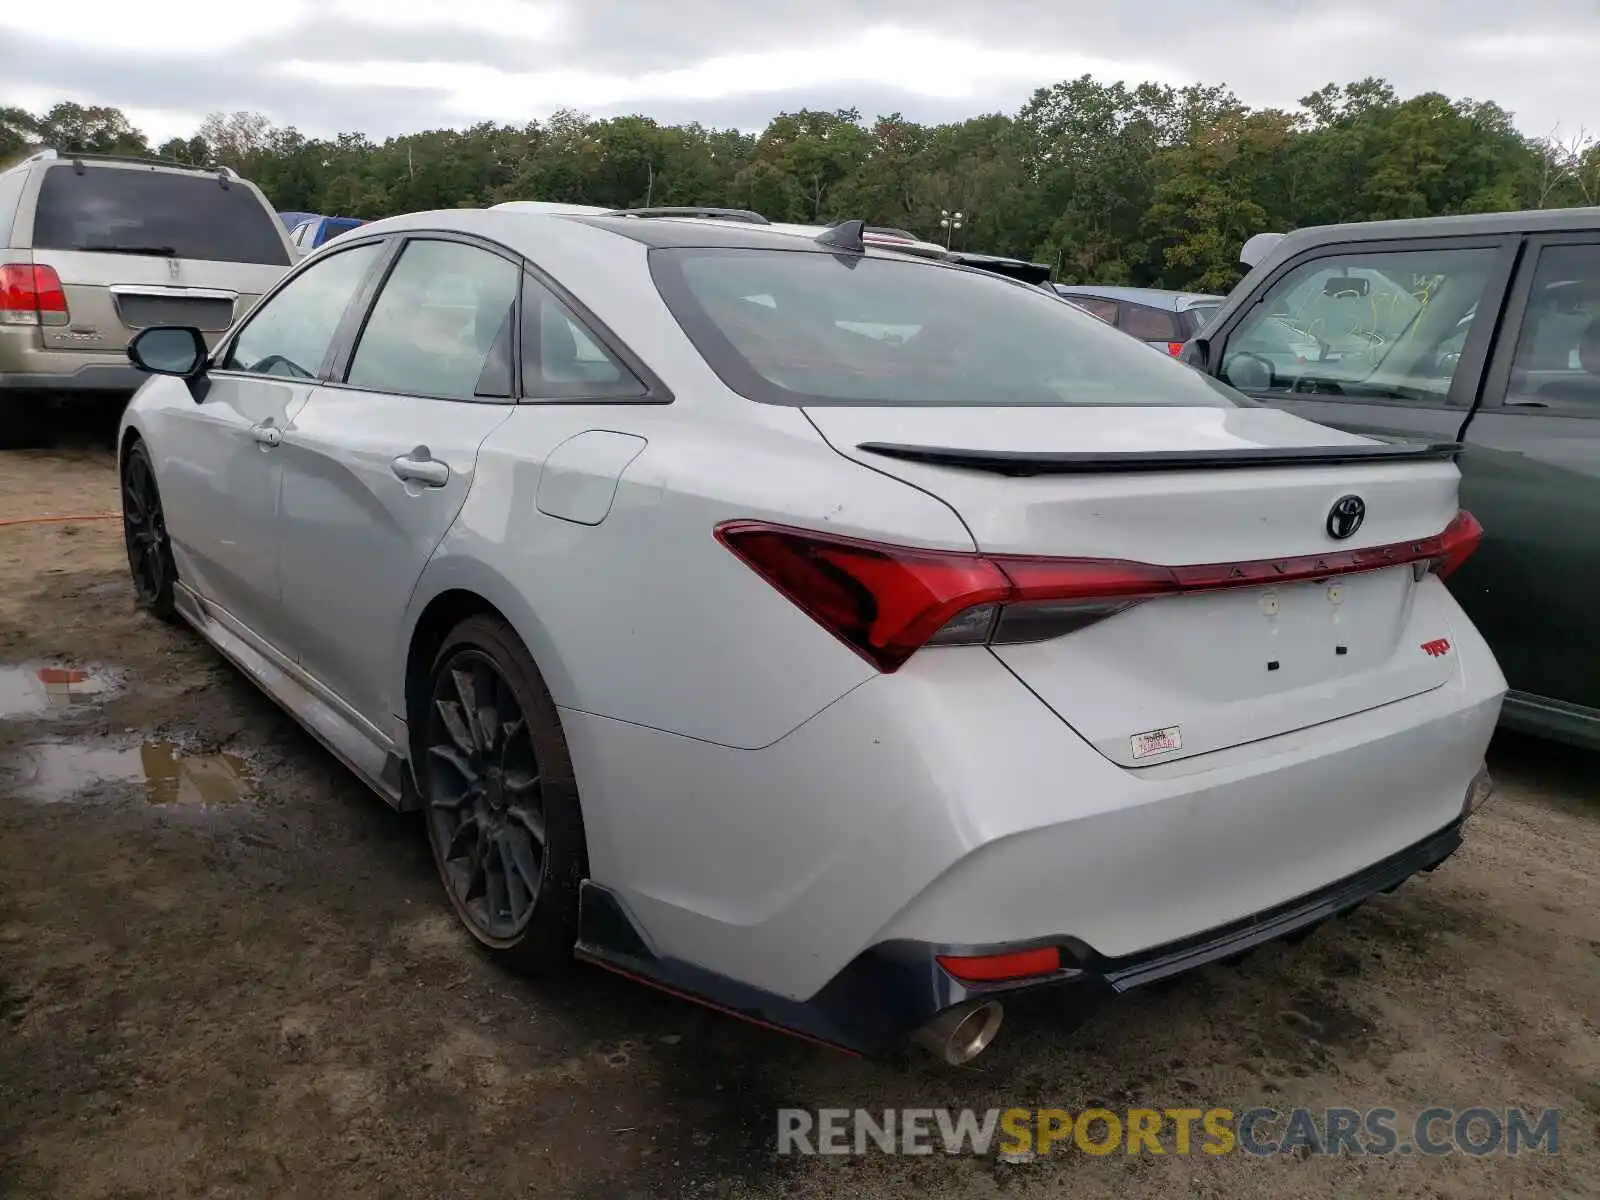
(1345, 517)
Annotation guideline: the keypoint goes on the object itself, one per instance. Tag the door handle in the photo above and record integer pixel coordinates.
(421, 467)
(267, 434)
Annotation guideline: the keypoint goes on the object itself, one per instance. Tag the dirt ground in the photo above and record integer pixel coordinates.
(264, 994)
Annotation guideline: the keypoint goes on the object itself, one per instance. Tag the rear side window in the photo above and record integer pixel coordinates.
(124, 210)
(561, 359)
(11, 185)
(441, 326)
(803, 327)
(1557, 361)
(1151, 324)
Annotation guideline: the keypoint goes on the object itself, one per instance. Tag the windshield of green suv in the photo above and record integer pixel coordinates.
(169, 214)
(804, 327)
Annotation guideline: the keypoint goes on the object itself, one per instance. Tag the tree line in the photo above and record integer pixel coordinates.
(1108, 183)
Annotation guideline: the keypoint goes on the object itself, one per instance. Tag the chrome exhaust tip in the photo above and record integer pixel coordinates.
(959, 1034)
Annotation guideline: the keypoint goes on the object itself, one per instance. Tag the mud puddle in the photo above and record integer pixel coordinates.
(56, 771)
(33, 689)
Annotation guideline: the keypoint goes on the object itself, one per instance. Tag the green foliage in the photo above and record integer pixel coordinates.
(1109, 183)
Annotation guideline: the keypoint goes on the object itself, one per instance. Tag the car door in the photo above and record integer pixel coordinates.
(220, 471)
(1532, 474)
(1376, 338)
(379, 462)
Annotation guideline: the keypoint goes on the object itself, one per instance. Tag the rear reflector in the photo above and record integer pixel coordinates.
(992, 968)
(31, 295)
(887, 602)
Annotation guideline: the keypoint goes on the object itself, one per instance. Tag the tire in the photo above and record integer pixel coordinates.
(491, 788)
(144, 533)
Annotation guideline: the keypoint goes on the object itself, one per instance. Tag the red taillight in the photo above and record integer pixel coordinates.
(992, 968)
(1174, 348)
(31, 295)
(1456, 544)
(887, 602)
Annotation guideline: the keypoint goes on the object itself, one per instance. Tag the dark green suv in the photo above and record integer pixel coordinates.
(1479, 329)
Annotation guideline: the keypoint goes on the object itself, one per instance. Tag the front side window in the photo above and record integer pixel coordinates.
(290, 333)
(1384, 325)
(441, 326)
(809, 327)
(1557, 361)
(169, 214)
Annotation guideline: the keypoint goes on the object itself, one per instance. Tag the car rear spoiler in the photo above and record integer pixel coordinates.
(1072, 462)
(1011, 268)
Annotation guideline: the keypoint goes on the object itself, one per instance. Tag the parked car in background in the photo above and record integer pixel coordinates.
(95, 248)
(841, 636)
(310, 234)
(1394, 308)
(1158, 318)
(292, 220)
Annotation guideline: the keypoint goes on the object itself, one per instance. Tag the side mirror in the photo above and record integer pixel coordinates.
(178, 350)
(1250, 372)
(1197, 354)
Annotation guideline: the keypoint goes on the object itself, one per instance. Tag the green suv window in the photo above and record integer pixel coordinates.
(1385, 325)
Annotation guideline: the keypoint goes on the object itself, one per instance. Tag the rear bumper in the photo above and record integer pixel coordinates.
(25, 366)
(946, 806)
(893, 988)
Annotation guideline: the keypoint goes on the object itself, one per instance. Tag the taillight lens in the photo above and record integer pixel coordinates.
(31, 295)
(887, 602)
(1456, 544)
(1174, 348)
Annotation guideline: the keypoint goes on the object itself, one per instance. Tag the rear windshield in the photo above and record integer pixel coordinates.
(337, 225)
(798, 327)
(137, 211)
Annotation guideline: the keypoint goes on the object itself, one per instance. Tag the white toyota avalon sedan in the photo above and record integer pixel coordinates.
(834, 635)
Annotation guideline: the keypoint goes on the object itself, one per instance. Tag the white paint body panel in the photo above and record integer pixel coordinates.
(579, 480)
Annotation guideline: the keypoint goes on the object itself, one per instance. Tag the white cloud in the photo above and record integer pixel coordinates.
(195, 27)
(920, 64)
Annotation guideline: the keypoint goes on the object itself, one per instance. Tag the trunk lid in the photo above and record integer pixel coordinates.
(1178, 676)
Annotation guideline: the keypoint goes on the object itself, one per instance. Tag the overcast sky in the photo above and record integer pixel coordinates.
(393, 66)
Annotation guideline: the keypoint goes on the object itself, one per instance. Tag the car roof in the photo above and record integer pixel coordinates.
(1153, 297)
(1545, 220)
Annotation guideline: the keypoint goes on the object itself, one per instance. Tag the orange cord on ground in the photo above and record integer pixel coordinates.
(79, 517)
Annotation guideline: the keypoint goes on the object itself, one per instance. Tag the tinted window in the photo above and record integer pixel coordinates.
(332, 229)
(1150, 324)
(798, 327)
(11, 185)
(138, 211)
(1557, 360)
(1198, 314)
(441, 325)
(562, 360)
(1106, 310)
(290, 333)
(1373, 326)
